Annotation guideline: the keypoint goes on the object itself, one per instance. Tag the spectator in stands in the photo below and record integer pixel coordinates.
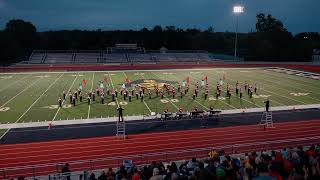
(192, 164)
(263, 172)
(92, 177)
(66, 171)
(287, 164)
(136, 175)
(156, 175)
(102, 176)
(110, 174)
(121, 173)
(21, 178)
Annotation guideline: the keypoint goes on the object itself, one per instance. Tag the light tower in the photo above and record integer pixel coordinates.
(237, 10)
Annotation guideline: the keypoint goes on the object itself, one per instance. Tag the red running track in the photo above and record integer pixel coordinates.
(59, 152)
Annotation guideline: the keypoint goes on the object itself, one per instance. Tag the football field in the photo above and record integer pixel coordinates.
(32, 97)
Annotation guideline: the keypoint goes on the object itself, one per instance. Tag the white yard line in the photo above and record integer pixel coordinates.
(188, 96)
(124, 74)
(288, 85)
(38, 98)
(294, 82)
(89, 107)
(293, 77)
(32, 105)
(143, 99)
(113, 88)
(33, 83)
(282, 95)
(167, 97)
(236, 95)
(261, 90)
(15, 82)
(147, 106)
(55, 115)
(219, 101)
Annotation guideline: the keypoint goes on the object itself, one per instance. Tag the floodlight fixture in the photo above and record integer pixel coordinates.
(238, 9)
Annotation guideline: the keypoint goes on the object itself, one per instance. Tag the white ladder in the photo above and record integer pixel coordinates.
(266, 119)
(121, 129)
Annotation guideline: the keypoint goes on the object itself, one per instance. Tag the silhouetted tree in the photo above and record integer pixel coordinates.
(269, 24)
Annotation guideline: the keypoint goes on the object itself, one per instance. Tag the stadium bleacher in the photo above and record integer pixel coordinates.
(121, 53)
(88, 57)
(36, 58)
(58, 58)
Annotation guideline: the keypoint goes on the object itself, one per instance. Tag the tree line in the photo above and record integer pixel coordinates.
(270, 42)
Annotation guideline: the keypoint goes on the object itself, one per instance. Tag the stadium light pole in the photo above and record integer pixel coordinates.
(237, 10)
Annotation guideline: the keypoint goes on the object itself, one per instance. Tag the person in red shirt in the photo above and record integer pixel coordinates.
(136, 175)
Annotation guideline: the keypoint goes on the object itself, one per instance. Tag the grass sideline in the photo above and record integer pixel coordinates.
(34, 97)
(2, 131)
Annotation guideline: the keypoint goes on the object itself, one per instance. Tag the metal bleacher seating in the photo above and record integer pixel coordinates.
(119, 54)
(36, 58)
(115, 58)
(58, 58)
(88, 57)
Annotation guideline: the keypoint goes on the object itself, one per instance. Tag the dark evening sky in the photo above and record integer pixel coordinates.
(297, 15)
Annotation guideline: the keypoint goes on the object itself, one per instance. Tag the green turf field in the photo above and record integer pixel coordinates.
(2, 131)
(33, 97)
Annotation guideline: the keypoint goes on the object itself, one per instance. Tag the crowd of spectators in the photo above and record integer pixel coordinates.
(287, 164)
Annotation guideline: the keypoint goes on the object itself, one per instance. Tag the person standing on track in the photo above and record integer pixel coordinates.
(267, 102)
(120, 110)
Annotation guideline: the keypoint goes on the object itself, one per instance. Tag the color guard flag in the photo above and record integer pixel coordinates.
(80, 86)
(221, 82)
(123, 86)
(206, 78)
(105, 79)
(84, 82)
(188, 80)
(127, 81)
(183, 83)
(101, 85)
